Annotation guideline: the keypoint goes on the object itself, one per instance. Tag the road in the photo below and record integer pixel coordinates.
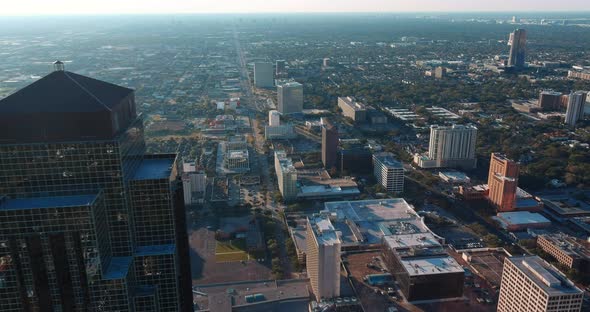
(250, 103)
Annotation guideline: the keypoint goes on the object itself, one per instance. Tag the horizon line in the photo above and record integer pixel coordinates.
(528, 12)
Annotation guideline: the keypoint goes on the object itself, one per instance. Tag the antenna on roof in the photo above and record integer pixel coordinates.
(58, 66)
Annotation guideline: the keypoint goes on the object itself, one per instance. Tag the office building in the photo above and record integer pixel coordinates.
(274, 118)
(194, 184)
(326, 62)
(517, 44)
(575, 108)
(529, 284)
(279, 132)
(352, 109)
(330, 141)
(263, 75)
(452, 147)
(502, 182)
(572, 252)
(549, 100)
(88, 221)
(290, 98)
(356, 161)
(389, 172)
(440, 72)
(281, 68)
(286, 176)
(323, 257)
(577, 74)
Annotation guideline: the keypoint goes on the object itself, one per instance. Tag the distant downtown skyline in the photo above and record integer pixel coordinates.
(68, 7)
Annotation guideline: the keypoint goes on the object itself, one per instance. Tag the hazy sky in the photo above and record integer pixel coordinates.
(42, 7)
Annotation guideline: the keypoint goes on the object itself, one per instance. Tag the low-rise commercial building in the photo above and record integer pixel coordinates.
(352, 109)
(568, 250)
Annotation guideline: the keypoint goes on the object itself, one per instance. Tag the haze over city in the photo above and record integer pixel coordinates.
(92, 7)
(294, 156)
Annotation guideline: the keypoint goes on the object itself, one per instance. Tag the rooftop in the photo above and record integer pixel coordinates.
(154, 168)
(432, 265)
(323, 230)
(63, 91)
(522, 217)
(352, 103)
(48, 202)
(411, 240)
(388, 160)
(547, 277)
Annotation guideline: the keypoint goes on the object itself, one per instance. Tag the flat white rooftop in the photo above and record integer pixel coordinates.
(522, 217)
(432, 265)
(372, 210)
(323, 230)
(546, 276)
(412, 240)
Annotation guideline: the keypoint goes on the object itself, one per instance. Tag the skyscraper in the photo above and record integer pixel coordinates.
(517, 44)
(263, 77)
(531, 284)
(549, 100)
(452, 146)
(274, 118)
(575, 108)
(330, 141)
(290, 98)
(503, 182)
(389, 172)
(323, 257)
(281, 68)
(87, 220)
(286, 176)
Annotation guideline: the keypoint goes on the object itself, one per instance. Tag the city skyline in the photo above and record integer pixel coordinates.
(70, 7)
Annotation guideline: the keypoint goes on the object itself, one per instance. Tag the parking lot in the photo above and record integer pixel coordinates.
(207, 267)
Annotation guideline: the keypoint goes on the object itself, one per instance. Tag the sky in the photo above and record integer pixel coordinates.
(72, 7)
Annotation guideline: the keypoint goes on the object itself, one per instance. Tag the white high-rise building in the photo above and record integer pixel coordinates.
(290, 98)
(529, 284)
(452, 146)
(194, 183)
(263, 75)
(575, 107)
(389, 172)
(274, 118)
(286, 176)
(323, 257)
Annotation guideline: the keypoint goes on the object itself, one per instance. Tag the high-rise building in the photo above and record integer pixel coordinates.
(517, 44)
(389, 172)
(290, 98)
(440, 72)
(286, 176)
(281, 67)
(452, 146)
(194, 184)
(263, 75)
(323, 257)
(575, 107)
(88, 221)
(330, 141)
(326, 62)
(352, 109)
(274, 118)
(549, 100)
(529, 284)
(503, 182)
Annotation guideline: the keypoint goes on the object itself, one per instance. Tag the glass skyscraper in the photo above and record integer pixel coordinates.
(88, 222)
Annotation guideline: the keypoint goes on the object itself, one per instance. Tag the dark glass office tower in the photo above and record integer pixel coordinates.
(330, 140)
(88, 221)
(517, 48)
